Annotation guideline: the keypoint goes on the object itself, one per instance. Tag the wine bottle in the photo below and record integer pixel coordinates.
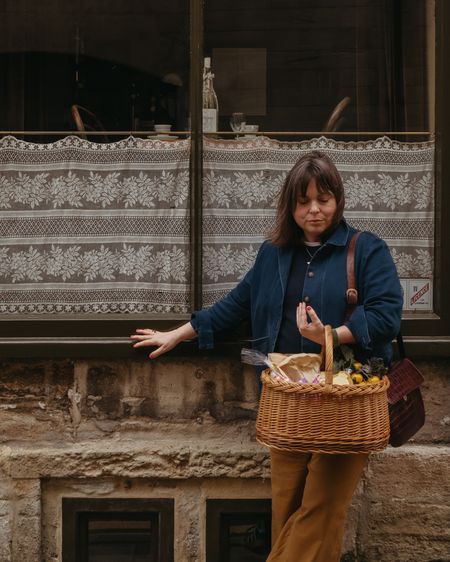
(210, 103)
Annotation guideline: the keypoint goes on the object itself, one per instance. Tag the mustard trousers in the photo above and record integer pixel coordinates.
(311, 493)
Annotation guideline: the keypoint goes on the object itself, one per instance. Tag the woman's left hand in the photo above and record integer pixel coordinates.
(309, 324)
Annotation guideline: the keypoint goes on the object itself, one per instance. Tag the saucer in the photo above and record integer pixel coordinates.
(162, 137)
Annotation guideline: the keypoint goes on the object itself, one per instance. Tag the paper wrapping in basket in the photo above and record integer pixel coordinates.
(298, 367)
(304, 368)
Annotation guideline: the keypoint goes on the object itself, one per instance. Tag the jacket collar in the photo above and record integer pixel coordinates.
(339, 237)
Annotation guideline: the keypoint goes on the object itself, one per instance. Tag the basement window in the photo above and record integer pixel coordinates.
(123, 530)
(238, 530)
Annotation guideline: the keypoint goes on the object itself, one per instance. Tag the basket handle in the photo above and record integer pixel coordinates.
(328, 352)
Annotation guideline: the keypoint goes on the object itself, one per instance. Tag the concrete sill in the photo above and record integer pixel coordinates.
(120, 348)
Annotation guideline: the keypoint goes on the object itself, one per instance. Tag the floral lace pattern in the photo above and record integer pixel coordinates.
(93, 190)
(389, 191)
(246, 189)
(226, 261)
(71, 263)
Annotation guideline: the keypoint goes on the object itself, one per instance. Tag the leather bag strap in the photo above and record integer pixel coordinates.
(400, 346)
(352, 291)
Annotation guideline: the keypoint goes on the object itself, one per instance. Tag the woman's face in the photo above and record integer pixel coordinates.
(314, 213)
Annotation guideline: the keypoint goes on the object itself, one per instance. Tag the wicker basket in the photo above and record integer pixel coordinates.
(323, 418)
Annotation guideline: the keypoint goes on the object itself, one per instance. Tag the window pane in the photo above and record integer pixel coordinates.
(88, 228)
(122, 540)
(238, 530)
(353, 68)
(247, 537)
(126, 61)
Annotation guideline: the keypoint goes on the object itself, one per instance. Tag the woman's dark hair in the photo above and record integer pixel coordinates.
(314, 165)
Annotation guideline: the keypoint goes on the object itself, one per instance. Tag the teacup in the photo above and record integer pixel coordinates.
(251, 128)
(163, 128)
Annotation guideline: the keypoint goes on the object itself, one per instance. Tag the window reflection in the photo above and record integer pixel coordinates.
(125, 62)
(247, 538)
(238, 530)
(292, 65)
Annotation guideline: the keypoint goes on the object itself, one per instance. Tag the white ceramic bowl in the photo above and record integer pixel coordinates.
(251, 128)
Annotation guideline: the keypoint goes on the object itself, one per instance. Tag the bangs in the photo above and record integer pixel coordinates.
(325, 184)
(299, 188)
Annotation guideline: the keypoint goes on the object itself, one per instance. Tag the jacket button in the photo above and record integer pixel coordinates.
(306, 299)
(310, 273)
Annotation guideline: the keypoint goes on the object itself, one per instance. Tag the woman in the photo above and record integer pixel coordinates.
(298, 284)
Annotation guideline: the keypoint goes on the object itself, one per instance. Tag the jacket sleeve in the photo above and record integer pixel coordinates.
(225, 314)
(376, 319)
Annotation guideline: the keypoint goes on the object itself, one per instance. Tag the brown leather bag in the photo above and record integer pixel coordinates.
(406, 409)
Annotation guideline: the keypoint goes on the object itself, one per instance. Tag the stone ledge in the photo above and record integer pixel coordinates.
(203, 452)
(177, 451)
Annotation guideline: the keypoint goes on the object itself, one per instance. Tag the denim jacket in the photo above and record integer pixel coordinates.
(374, 322)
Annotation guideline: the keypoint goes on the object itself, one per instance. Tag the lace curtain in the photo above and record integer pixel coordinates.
(389, 189)
(94, 228)
(104, 228)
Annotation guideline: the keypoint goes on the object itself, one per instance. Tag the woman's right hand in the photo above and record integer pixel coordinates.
(163, 341)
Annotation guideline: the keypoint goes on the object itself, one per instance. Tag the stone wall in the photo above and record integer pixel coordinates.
(184, 429)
